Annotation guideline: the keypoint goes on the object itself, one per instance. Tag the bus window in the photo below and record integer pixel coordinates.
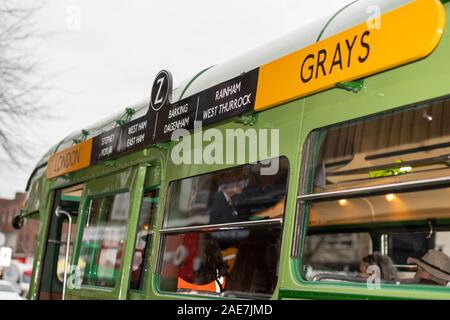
(103, 240)
(144, 238)
(236, 195)
(399, 146)
(376, 189)
(400, 229)
(222, 232)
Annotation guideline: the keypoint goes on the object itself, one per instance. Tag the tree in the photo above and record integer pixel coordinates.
(20, 93)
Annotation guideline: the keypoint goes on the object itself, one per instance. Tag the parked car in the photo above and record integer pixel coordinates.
(8, 291)
(19, 274)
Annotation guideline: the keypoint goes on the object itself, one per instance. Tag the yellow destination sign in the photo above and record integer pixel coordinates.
(71, 159)
(407, 33)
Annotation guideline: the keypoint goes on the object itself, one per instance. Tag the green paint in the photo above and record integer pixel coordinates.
(319, 37)
(192, 81)
(126, 117)
(70, 198)
(353, 86)
(162, 145)
(83, 136)
(394, 171)
(247, 119)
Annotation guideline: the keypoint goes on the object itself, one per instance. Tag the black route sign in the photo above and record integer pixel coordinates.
(225, 100)
(161, 90)
(105, 145)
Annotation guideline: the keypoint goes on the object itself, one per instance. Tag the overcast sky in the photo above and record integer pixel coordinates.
(102, 55)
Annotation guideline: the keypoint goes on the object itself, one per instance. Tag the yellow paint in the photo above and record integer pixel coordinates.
(69, 160)
(407, 33)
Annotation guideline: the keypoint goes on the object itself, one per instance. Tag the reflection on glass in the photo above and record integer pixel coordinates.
(403, 235)
(143, 238)
(222, 262)
(234, 195)
(399, 146)
(103, 240)
(408, 206)
(393, 232)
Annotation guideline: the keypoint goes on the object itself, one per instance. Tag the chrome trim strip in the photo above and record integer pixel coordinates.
(295, 249)
(59, 213)
(222, 226)
(401, 186)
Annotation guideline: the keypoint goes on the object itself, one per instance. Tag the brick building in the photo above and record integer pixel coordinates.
(22, 241)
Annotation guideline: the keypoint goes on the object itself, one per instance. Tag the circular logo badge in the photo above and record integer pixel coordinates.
(161, 89)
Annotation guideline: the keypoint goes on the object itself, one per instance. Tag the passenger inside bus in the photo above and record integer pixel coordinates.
(240, 199)
(333, 259)
(359, 216)
(433, 268)
(257, 251)
(388, 272)
(226, 258)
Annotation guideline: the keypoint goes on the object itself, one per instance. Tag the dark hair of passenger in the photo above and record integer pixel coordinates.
(387, 268)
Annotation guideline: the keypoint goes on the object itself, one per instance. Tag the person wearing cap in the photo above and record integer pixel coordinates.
(433, 268)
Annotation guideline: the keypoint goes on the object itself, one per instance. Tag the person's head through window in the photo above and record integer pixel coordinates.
(223, 207)
(233, 186)
(432, 268)
(388, 272)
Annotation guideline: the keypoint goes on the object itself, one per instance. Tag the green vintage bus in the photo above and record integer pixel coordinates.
(344, 194)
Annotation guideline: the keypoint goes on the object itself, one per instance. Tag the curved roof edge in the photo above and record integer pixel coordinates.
(355, 12)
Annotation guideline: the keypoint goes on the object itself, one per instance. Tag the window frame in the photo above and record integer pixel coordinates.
(306, 196)
(208, 228)
(84, 218)
(367, 232)
(146, 260)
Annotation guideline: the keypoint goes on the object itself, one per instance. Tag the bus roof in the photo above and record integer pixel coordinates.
(349, 15)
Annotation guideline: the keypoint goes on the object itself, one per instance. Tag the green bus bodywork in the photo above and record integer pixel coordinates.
(406, 85)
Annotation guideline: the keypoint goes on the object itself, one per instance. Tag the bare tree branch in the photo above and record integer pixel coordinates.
(20, 93)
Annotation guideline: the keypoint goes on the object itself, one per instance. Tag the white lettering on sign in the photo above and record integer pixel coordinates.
(209, 113)
(135, 140)
(235, 104)
(137, 127)
(106, 151)
(135, 134)
(176, 125)
(230, 90)
(108, 139)
(159, 99)
(178, 110)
